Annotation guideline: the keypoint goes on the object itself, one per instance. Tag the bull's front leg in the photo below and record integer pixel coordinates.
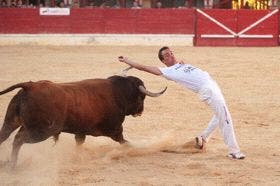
(80, 139)
(118, 136)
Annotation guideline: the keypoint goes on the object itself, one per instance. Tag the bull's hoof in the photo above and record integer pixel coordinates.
(80, 139)
(123, 141)
(8, 165)
(126, 143)
(3, 163)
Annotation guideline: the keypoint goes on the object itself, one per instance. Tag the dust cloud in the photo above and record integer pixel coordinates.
(40, 163)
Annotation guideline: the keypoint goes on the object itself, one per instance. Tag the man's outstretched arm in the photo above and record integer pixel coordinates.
(149, 69)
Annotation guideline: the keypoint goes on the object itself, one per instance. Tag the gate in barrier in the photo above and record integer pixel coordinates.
(237, 28)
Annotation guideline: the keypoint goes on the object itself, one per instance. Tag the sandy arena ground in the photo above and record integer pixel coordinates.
(249, 78)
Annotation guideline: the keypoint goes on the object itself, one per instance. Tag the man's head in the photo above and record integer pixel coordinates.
(166, 56)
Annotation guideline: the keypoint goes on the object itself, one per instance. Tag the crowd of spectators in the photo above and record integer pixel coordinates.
(18, 4)
(134, 4)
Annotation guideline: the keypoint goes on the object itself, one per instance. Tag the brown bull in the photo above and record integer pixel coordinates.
(94, 107)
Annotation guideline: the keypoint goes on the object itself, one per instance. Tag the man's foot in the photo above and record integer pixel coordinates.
(199, 142)
(237, 155)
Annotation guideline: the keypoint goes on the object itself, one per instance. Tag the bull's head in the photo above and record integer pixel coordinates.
(141, 98)
(140, 94)
(131, 94)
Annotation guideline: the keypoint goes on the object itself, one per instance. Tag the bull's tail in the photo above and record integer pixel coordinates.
(24, 85)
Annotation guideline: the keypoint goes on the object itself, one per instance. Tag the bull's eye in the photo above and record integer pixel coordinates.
(140, 99)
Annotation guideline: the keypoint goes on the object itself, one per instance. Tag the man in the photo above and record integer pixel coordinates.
(200, 82)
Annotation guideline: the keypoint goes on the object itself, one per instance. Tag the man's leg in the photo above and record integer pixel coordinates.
(223, 118)
(212, 125)
(204, 137)
(227, 130)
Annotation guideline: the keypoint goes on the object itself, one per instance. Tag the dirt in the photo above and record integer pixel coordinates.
(161, 141)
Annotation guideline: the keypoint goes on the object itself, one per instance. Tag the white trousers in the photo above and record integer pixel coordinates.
(212, 95)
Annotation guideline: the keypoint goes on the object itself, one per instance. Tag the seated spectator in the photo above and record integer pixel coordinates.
(90, 5)
(76, 5)
(61, 4)
(3, 4)
(19, 4)
(140, 3)
(13, 4)
(136, 5)
(167, 3)
(158, 4)
(246, 6)
(109, 4)
(94, 3)
(163, 3)
(181, 3)
(121, 3)
(129, 3)
(31, 5)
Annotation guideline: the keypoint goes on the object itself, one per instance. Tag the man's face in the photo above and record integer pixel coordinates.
(168, 57)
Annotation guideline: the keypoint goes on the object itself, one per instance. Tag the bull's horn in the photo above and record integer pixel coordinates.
(148, 93)
(123, 73)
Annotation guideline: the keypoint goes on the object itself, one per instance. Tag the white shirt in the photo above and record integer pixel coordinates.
(187, 75)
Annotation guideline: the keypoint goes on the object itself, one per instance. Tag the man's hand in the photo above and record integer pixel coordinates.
(122, 59)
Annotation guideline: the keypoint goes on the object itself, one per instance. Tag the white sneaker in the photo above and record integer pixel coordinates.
(199, 142)
(237, 155)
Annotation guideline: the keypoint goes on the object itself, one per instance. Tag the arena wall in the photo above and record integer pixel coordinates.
(199, 27)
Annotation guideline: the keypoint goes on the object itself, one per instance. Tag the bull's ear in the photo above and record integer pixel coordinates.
(151, 94)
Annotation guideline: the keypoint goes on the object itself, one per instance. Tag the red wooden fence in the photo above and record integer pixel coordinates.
(211, 27)
(237, 28)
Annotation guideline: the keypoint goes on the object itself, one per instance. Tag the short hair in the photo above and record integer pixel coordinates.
(160, 56)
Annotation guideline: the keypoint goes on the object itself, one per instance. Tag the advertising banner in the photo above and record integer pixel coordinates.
(55, 11)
